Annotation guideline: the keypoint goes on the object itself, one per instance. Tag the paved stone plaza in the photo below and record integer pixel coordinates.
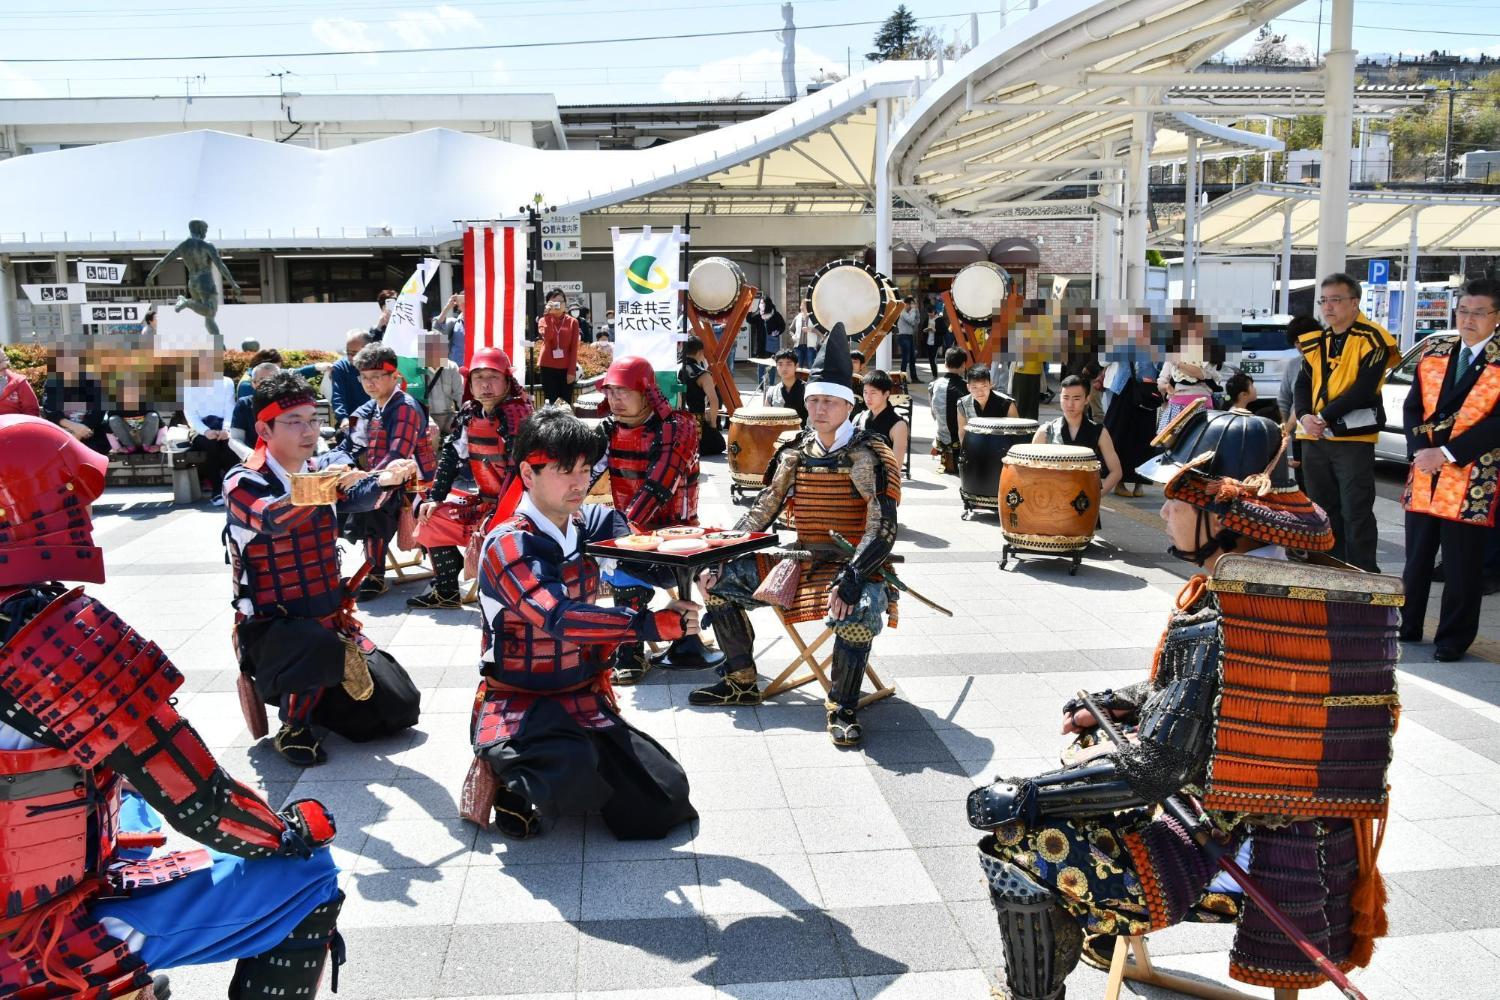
(814, 873)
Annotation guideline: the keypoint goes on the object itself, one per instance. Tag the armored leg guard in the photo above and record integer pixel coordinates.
(851, 651)
(447, 563)
(295, 966)
(1042, 941)
(738, 675)
(630, 661)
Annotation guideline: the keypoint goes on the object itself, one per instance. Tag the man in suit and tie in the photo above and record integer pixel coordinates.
(1452, 423)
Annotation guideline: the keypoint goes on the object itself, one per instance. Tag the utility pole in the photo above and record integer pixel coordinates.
(788, 36)
(1448, 133)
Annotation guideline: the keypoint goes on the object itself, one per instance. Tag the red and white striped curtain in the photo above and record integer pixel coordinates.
(495, 290)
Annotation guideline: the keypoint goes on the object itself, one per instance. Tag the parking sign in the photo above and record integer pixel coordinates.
(1380, 273)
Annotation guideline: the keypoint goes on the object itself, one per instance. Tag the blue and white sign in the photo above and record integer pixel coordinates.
(1380, 272)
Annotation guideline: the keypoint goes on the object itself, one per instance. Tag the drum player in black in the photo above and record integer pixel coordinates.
(788, 390)
(1074, 427)
(982, 400)
(880, 417)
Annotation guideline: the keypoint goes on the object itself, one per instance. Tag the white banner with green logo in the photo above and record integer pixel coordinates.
(647, 295)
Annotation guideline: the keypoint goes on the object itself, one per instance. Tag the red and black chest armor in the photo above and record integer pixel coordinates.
(634, 451)
(486, 446)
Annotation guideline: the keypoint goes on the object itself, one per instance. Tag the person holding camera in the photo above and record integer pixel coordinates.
(558, 359)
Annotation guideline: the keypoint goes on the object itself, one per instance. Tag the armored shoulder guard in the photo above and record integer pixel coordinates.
(91, 680)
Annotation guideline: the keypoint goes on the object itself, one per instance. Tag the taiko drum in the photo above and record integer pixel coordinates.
(1049, 497)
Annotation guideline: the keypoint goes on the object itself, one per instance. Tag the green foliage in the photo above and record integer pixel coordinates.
(1155, 259)
(896, 37)
(1418, 135)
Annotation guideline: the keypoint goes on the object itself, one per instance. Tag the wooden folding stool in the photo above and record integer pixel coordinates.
(1131, 961)
(817, 670)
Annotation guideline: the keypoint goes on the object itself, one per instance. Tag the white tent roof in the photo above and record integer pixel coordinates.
(814, 155)
(1253, 219)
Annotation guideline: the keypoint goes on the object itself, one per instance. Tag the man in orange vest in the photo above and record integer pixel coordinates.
(1452, 423)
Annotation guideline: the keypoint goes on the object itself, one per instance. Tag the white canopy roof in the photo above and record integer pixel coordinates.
(1253, 220)
(815, 155)
(1048, 103)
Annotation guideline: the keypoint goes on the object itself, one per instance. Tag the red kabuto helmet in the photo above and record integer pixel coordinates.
(47, 480)
(637, 374)
(489, 357)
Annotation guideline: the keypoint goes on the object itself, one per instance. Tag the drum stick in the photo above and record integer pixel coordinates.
(1174, 807)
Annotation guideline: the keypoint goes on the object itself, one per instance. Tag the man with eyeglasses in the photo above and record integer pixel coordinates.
(390, 427)
(1339, 416)
(347, 395)
(1452, 423)
(299, 646)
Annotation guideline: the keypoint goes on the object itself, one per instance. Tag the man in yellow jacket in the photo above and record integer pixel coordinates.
(1339, 416)
(1452, 424)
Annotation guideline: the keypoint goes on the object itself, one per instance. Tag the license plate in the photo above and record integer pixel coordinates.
(1253, 367)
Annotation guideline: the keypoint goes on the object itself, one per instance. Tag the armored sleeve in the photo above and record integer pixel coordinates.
(1170, 750)
(514, 576)
(78, 678)
(407, 425)
(870, 478)
(770, 500)
(674, 454)
(447, 462)
(254, 503)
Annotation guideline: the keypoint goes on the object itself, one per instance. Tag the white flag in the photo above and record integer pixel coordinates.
(404, 327)
(647, 279)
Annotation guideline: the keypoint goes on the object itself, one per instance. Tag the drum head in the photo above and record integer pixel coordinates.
(1050, 454)
(848, 292)
(763, 415)
(714, 283)
(979, 289)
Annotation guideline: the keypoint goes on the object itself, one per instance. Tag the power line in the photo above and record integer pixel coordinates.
(434, 24)
(503, 46)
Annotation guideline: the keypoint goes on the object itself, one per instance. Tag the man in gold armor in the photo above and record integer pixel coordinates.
(838, 479)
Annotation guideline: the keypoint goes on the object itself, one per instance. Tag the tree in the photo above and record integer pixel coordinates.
(1271, 49)
(896, 36)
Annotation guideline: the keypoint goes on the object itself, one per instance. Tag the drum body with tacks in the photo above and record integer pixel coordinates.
(753, 434)
(978, 292)
(589, 405)
(987, 440)
(1049, 499)
(850, 292)
(714, 285)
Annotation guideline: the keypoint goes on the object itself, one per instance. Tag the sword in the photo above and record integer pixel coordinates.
(1178, 810)
(887, 575)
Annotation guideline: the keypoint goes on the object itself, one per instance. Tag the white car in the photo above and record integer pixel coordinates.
(1264, 355)
(1392, 444)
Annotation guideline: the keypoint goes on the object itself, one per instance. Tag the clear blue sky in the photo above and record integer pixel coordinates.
(666, 67)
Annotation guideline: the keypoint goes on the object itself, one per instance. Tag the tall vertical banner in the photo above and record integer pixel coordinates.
(404, 328)
(647, 304)
(495, 290)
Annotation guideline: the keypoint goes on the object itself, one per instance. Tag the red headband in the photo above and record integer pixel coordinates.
(276, 408)
(538, 458)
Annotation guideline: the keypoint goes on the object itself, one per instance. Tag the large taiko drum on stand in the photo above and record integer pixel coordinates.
(753, 433)
(714, 285)
(978, 292)
(987, 440)
(850, 292)
(1049, 500)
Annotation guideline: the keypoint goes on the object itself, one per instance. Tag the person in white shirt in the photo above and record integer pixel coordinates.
(208, 403)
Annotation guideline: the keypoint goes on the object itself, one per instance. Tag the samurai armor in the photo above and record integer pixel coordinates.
(1308, 701)
(92, 680)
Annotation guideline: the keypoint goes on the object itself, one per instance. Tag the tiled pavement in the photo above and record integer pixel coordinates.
(814, 873)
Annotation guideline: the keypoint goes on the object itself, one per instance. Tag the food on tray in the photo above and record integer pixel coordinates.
(682, 531)
(725, 537)
(642, 542)
(682, 546)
